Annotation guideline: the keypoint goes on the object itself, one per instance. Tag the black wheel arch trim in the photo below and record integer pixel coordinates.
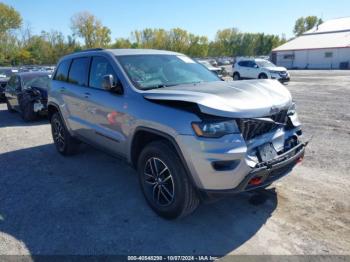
(58, 110)
(56, 106)
(173, 143)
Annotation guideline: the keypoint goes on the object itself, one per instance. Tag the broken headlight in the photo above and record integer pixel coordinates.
(291, 110)
(293, 116)
(215, 129)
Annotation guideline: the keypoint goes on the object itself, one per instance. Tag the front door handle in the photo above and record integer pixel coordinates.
(62, 89)
(87, 94)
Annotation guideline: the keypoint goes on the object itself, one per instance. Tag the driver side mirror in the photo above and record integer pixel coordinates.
(109, 84)
(256, 66)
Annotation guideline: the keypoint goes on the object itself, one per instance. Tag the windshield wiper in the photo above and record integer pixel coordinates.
(159, 86)
(168, 85)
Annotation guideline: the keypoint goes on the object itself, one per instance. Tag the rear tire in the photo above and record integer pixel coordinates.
(64, 142)
(236, 76)
(164, 181)
(9, 107)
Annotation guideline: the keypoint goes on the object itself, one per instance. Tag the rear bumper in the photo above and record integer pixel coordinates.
(267, 172)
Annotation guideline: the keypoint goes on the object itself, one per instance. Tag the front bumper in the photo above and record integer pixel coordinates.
(267, 172)
(223, 164)
(284, 79)
(281, 77)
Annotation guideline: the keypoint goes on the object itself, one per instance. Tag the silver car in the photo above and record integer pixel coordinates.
(190, 135)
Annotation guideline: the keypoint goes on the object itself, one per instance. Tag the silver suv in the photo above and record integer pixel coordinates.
(190, 135)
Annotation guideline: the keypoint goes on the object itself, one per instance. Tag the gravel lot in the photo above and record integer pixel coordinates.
(91, 203)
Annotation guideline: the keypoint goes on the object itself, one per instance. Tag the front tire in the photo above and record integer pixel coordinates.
(164, 181)
(236, 76)
(64, 142)
(263, 76)
(27, 111)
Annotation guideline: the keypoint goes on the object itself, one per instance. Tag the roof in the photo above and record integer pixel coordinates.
(130, 51)
(331, 34)
(339, 24)
(119, 52)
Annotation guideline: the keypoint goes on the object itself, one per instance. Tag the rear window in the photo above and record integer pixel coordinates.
(78, 73)
(62, 71)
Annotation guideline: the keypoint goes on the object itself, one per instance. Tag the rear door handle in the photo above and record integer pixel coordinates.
(62, 89)
(87, 94)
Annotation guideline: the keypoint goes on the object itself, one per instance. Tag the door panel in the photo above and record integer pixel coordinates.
(105, 109)
(251, 70)
(73, 94)
(104, 113)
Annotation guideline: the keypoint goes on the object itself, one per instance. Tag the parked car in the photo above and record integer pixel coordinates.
(213, 62)
(27, 93)
(190, 135)
(223, 61)
(251, 68)
(215, 70)
(5, 74)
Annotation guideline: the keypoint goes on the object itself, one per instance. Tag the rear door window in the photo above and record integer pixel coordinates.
(14, 84)
(62, 71)
(11, 83)
(79, 70)
(243, 63)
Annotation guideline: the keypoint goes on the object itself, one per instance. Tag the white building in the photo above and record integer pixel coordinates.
(324, 47)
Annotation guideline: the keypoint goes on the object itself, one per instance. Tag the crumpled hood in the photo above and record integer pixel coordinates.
(237, 99)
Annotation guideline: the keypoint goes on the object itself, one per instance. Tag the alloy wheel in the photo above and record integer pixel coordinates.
(159, 182)
(58, 134)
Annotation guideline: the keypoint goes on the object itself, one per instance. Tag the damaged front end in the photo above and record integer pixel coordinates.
(37, 97)
(275, 146)
(248, 136)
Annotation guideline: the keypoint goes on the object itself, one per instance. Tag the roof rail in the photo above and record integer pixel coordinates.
(90, 50)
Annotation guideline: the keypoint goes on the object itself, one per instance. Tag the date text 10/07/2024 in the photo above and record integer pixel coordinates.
(172, 258)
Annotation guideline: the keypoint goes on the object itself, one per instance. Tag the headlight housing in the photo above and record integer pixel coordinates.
(291, 110)
(215, 129)
(293, 116)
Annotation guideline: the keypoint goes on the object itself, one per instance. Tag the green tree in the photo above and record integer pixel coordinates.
(122, 43)
(9, 18)
(198, 46)
(88, 27)
(304, 24)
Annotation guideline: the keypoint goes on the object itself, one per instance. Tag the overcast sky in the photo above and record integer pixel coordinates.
(202, 17)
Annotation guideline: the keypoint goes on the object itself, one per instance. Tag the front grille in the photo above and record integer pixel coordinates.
(280, 117)
(251, 128)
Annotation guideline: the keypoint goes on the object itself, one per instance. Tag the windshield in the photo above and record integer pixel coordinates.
(40, 81)
(264, 63)
(155, 71)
